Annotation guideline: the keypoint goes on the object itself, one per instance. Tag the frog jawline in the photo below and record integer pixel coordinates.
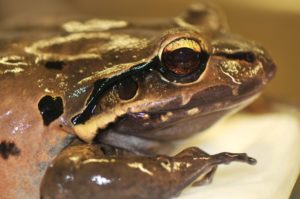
(191, 111)
(88, 131)
(179, 116)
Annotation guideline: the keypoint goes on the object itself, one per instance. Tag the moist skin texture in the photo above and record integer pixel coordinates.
(107, 82)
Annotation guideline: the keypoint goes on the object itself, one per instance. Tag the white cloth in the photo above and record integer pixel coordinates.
(272, 138)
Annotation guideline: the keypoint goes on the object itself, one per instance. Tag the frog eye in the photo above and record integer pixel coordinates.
(183, 57)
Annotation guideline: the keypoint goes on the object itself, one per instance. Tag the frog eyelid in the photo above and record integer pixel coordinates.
(181, 42)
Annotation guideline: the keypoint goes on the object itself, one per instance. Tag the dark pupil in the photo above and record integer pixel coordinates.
(182, 61)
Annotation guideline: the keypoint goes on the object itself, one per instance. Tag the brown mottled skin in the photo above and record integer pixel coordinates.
(61, 62)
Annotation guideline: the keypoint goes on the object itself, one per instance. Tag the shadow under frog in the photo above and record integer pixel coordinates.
(136, 86)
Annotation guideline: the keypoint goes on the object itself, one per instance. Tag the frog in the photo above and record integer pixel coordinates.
(134, 85)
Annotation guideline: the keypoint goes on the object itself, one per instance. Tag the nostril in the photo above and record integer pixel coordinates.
(269, 70)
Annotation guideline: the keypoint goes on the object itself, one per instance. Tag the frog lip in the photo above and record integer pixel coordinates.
(166, 117)
(238, 101)
(222, 97)
(178, 123)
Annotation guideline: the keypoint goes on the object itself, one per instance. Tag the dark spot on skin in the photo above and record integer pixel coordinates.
(7, 149)
(50, 108)
(57, 65)
(127, 88)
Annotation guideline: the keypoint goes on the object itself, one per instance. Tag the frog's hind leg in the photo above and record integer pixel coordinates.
(226, 158)
(192, 151)
(222, 158)
(206, 178)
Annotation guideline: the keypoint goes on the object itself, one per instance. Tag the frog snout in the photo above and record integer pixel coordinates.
(269, 69)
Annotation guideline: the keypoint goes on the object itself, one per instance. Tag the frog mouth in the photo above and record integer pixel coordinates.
(149, 133)
(145, 123)
(203, 106)
(233, 105)
(163, 125)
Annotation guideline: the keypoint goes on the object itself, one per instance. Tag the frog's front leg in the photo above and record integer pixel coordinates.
(86, 171)
(135, 144)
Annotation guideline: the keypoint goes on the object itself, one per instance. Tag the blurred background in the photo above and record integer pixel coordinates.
(273, 23)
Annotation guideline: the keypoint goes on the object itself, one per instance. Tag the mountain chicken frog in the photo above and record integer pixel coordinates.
(88, 104)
